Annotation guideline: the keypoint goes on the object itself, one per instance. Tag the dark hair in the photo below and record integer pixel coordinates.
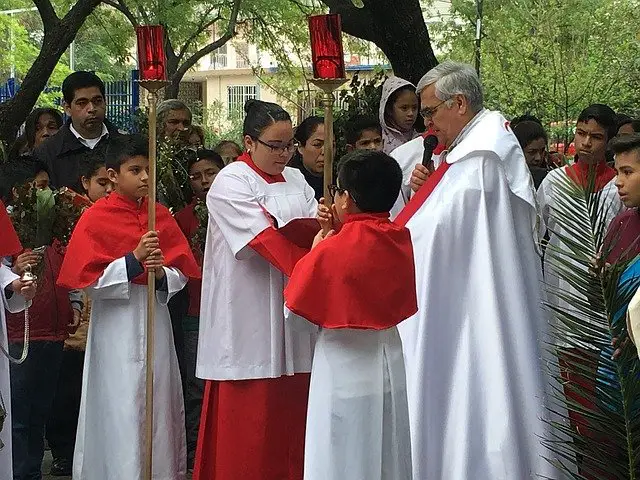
(89, 167)
(394, 96)
(355, 127)
(528, 131)
(623, 119)
(194, 156)
(31, 123)
(260, 115)
(196, 130)
(372, 178)
(524, 118)
(306, 129)
(78, 80)
(603, 116)
(625, 143)
(124, 147)
(17, 172)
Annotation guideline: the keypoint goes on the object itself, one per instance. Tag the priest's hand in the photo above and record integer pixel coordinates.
(26, 289)
(155, 262)
(148, 244)
(320, 236)
(419, 177)
(25, 259)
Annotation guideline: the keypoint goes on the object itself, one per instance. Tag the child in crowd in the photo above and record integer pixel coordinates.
(54, 312)
(363, 133)
(228, 150)
(14, 296)
(203, 166)
(63, 422)
(398, 112)
(109, 255)
(358, 419)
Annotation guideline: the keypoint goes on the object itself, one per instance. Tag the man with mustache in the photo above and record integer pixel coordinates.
(86, 133)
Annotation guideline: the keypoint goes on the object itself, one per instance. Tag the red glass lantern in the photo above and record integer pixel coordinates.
(326, 46)
(151, 57)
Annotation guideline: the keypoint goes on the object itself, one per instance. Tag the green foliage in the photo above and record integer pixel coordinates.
(550, 58)
(593, 317)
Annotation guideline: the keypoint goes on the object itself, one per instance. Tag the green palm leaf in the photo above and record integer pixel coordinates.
(600, 438)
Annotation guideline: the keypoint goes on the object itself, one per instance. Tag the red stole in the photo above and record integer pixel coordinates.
(9, 241)
(110, 229)
(579, 173)
(342, 283)
(246, 158)
(421, 195)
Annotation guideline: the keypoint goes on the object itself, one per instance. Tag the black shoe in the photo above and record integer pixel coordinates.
(61, 467)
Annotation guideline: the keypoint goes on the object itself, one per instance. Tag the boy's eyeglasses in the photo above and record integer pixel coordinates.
(279, 149)
(334, 189)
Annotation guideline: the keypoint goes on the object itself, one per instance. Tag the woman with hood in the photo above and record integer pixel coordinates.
(398, 112)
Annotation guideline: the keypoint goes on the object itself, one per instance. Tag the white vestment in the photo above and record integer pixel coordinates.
(111, 425)
(357, 419)
(14, 304)
(473, 352)
(243, 334)
(547, 201)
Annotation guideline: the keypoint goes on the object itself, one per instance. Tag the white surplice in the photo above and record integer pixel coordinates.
(357, 422)
(111, 425)
(243, 334)
(14, 304)
(473, 352)
(547, 200)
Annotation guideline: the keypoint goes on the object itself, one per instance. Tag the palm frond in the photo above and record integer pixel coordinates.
(595, 400)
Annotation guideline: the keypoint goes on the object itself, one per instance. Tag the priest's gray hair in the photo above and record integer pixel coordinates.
(454, 78)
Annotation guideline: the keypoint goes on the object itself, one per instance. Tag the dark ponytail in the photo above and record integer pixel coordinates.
(260, 115)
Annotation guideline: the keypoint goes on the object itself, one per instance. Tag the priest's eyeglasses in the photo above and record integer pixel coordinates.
(334, 189)
(279, 149)
(429, 112)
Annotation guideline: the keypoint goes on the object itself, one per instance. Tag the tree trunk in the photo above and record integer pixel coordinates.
(397, 27)
(57, 37)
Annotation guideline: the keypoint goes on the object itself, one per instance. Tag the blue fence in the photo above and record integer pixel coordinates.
(122, 97)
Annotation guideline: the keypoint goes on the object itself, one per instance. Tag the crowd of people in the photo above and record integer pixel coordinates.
(375, 339)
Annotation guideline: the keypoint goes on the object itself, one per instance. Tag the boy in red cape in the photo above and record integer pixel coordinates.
(357, 419)
(109, 254)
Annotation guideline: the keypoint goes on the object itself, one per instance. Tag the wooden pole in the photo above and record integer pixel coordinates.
(151, 292)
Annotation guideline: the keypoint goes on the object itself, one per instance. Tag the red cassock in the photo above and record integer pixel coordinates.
(9, 241)
(579, 172)
(332, 285)
(110, 229)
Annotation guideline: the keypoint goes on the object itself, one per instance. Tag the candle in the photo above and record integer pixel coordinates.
(326, 46)
(151, 57)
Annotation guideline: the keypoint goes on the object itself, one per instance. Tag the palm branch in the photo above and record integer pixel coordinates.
(600, 437)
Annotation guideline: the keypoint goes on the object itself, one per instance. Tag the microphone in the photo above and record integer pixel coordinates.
(430, 143)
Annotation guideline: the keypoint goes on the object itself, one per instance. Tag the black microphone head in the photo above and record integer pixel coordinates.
(430, 142)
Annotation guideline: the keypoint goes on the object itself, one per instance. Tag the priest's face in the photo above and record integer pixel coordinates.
(273, 149)
(446, 118)
(131, 179)
(628, 179)
(591, 142)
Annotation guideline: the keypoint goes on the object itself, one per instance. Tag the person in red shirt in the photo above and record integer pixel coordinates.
(203, 166)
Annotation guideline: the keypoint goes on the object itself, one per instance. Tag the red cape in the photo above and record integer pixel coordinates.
(579, 173)
(9, 241)
(110, 229)
(363, 277)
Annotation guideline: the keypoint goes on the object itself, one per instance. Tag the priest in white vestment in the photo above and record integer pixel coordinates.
(473, 352)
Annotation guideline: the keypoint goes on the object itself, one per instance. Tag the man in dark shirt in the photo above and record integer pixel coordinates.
(85, 137)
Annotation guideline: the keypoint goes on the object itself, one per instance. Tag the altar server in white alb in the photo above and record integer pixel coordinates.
(15, 295)
(256, 365)
(358, 421)
(473, 352)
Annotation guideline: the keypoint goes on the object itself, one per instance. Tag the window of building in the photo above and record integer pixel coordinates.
(242, 55)
(219, 57)
(237, 95)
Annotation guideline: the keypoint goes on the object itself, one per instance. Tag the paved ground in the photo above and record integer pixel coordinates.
(46, 465)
